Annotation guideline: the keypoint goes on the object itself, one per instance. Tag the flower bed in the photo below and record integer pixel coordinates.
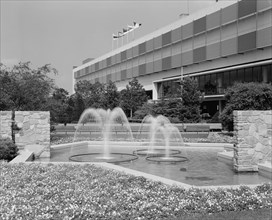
(70, 191)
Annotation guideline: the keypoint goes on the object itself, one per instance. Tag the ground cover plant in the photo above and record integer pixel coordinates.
(74, 191)
(8, 150)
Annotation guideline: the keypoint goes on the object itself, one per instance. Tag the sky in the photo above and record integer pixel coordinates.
(63, 33)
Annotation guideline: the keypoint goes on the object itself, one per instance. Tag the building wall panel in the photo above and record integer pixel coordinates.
(166, 63)
(229, 14)
(142, 48)
(142, 69)
(176, 61)
(157, 54)
(158, 65)
(213, 51)
(109, 61)
(123, 74)
(247, 25)
(113, 60)
(149, 57)
(213, 36)
(199, 40)
(187, 45)
(158, 42)
(118, 76)
(187, 58)
(135, 71)
(187, 30)
(199, 25)
(118, 58)
(176, 35)
(264, 4)
(123, 55)
(229, 31)
(264, 19)
(176, 48)
(96, 66)
(166, 51)
(109, 78)
(129, 73)
(213, 20)
(129, 53)
(264, 37)
(166, 38)
(229, 47)
(246, 7)
(149, 45)
(199, 54)
(149, 68)
(247, 42)
(135, 51)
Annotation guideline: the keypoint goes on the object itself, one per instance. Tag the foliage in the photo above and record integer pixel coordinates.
(132, 97)
(8, 150)
(110, 97)
(24, 88)
(184, 107)
(75, 191)
(245, 96)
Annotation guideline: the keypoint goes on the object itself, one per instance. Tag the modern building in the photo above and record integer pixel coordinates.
(229, 42)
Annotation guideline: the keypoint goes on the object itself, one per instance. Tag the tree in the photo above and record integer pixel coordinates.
(133, 97)
(111, 96)
(24, 88)
(245, 96)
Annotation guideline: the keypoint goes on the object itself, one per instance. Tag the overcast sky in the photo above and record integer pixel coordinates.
(63, 33)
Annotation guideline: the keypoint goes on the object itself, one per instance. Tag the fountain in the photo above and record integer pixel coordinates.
(161, 135)
(104, 125)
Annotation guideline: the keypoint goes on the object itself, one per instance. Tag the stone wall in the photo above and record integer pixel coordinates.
(5, 124)
(253, 132)
(34, 131)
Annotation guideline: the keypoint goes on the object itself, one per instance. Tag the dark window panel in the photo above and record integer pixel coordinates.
(246, 7)
(166, 38)
(158, 42)
(199, 54)
(129, 53)
(166, 63)
(257, 74)
(248, 75)
(96, 66)
(200, 25)
(123, 55)
(108, 78)
(142, 69)
(240, 75)
(176, 35)
(247, 42)
(108, 61)
(123, 74)
(142, 48)
(213, 20)
(229, 14)
(187, 30)
(113, 60)
(118, 58)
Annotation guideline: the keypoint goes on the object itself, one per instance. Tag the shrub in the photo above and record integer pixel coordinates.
(8, 150)
(245, 96)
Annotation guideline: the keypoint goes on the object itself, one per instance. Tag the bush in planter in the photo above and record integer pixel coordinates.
(8, 150)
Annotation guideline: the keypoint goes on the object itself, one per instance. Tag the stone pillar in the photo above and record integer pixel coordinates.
(35, 132)
(253, 132)
(5, 124)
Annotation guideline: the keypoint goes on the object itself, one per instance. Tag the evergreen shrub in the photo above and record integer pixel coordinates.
(8, 150)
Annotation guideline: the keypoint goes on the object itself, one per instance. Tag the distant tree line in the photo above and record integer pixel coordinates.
(24, 88)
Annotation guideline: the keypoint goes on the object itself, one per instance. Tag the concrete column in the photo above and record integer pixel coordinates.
(155, 91)
(265, 74)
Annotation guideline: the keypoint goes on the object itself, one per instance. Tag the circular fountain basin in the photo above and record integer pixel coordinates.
(99, 157)
(167, 159)
(157, 151)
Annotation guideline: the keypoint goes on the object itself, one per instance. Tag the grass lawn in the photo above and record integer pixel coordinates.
(67, 191)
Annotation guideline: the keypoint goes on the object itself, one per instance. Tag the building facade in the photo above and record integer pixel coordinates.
(229, 42)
